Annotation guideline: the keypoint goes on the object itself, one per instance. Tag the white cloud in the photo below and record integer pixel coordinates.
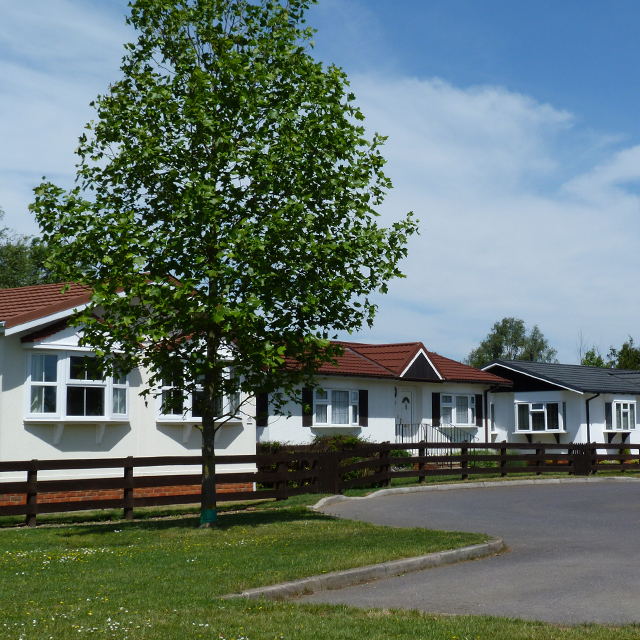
(523, 212)
(502, 235)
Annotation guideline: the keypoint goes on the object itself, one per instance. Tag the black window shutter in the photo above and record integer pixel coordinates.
(479, 410)
(262, 409)
(307, 407)
(363, 408)
(608, 416)
(435, 409)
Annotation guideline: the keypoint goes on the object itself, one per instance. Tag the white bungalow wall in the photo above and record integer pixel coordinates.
(384, 398)
(576, 426)
(141, 435)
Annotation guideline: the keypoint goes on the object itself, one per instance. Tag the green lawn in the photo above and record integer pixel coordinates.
(161, 579)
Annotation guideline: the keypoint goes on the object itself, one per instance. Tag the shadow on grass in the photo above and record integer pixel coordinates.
(245, 519)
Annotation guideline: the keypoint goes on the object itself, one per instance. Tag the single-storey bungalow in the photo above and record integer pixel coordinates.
(563, 403)
(387, 392)
(52, 406)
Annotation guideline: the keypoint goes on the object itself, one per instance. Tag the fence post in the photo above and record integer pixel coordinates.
(127, 501)
(32, 494)
(282, 469)
(385, 467)
(503, 459)
(539, 462)
(328, 472)
(421, 465)
(464, 462)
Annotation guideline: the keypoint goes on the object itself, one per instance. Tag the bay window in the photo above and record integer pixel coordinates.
(540, 416)
(68, 385)
(620, 415)
(176, 404)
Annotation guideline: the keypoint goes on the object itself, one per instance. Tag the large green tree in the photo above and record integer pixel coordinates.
(510, 340)
(22, 259)
(224, 212)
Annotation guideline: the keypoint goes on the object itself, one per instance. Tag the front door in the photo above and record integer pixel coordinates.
(404, 406)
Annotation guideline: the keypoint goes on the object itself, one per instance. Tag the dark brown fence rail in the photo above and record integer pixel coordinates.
(291, 472)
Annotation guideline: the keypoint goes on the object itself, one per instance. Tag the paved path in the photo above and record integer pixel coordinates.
(574, 552)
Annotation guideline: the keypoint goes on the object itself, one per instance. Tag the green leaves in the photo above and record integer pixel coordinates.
(226, 200)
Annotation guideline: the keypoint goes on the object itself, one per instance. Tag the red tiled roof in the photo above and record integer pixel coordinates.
(392, 360)
(458, 372)
(25, 304)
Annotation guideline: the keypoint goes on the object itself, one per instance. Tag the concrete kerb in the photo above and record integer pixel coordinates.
(325, 502)
(339, 579)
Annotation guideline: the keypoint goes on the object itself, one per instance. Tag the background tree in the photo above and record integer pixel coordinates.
(509, 340)
(627, 357)
(22, 259)
(593, 358)
(224, 212)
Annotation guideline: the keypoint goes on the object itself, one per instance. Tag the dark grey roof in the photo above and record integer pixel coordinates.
(572, 376)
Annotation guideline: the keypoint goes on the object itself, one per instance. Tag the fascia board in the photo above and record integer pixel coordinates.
(530, 375)
(421, 351)
(34, 324)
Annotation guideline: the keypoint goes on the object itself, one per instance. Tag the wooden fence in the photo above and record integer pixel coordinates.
(293, 472)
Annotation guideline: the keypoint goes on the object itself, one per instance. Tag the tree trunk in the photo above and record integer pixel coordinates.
(208, 510)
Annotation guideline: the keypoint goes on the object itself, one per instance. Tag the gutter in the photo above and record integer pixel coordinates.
(587, 401)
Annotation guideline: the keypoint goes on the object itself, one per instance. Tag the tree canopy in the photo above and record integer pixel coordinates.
(22, 259)
(510, 340)
(627, 357)
(224, 212)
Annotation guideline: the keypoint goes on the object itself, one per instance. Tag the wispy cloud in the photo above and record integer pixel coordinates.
(504, 232)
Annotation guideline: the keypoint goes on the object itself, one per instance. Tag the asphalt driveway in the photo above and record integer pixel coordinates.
(574, 552)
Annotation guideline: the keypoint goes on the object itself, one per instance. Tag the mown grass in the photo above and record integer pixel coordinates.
(169, 573)
(162, 579)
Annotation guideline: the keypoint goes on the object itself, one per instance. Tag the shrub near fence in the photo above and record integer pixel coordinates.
(294, 473)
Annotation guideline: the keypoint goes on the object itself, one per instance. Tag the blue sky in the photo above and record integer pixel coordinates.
(513, 134)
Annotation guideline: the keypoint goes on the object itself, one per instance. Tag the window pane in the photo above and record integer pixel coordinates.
(618, 416)
(75, 401)
(321, 394)
(43, 399)
(447, 399)
(321, 413)
(94, 402)
(171, 403)
(340, 407)
(553, 421)
(196, 408)
(537, 421)
(44, 368)
(462, 410)
(446, 415)
(523, 417)
(120, 401)
(632, 418)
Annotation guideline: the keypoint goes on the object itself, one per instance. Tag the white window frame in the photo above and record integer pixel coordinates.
(230, 405)
(325, 398)
(618, 410)
(537, 409)
(64, 382)
(449, 406)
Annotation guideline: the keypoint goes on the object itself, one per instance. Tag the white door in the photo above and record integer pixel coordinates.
(404, 406)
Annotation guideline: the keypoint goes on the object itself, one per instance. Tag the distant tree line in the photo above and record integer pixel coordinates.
(22, 259)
